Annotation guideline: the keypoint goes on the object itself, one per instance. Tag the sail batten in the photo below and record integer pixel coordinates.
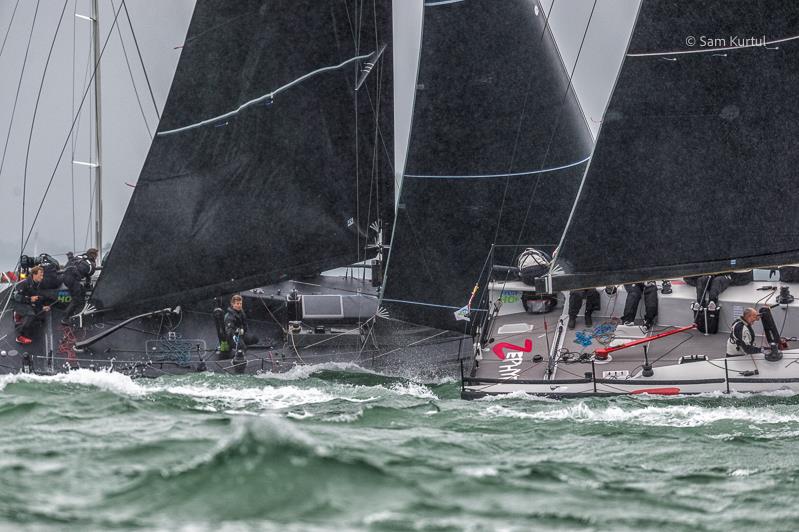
(694, 165)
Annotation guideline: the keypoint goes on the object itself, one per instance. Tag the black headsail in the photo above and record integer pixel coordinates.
(497, 149)
(266, 160)
(696, 167)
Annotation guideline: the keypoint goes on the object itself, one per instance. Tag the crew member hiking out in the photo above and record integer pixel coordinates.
(742, 335)
(78, 268)
(236, 324)
(29, 305)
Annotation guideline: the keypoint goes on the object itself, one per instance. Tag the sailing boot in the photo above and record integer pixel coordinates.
(588, 321)
(74, 305)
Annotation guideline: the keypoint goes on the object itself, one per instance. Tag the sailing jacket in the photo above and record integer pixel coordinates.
(742, 339)
(80, 266)
(25, 290)
(77, 269)
(235, 320)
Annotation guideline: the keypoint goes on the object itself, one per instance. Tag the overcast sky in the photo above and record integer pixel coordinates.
(160, 28)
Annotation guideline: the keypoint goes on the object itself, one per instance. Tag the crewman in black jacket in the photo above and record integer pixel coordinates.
(236, 324)
(592, 303)
(634, 292)
(742, 335)
(78, 268)
(29, 305)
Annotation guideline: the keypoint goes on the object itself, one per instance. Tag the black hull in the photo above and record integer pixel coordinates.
(170, 343)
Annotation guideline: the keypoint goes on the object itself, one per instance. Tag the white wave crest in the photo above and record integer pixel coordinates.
(105, 380)
(298, 415)
(302, 372)
(413, 389)
(345, 417)
(518, 394)
(667, 416)
(264, 397)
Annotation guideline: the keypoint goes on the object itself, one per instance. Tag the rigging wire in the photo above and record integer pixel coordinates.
(76, 135)
(554, 129)
(33, 119)
(72, 113)
(132, 80)
(13, 112)
(141, 60)
(71, 129)
(8, 30)
(374, 181)
(490, 255)
(530, 78)
(358, 25)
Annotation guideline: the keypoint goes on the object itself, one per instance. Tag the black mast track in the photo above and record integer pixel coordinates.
(694, 169)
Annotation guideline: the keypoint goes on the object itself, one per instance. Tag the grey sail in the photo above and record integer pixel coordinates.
(695, 167)
(268, 162)
(497, 148)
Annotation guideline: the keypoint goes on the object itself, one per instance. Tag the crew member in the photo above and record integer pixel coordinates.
(708, 289)
(236, 324)
(592, 303)
(742, 335)
(634, 292)
(78, 268)
(29, 305)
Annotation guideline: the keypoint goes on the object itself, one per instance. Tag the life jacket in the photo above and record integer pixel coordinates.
(740, 332)
(81, 264)
(51, 268)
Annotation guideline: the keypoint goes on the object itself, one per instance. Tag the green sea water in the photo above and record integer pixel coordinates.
(341, 449)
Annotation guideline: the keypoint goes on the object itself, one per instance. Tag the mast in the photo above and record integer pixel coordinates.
(98, 169)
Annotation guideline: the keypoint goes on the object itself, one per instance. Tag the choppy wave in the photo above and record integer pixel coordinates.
(341, 448)
(267, 468)
(668, 416)
(105, 380)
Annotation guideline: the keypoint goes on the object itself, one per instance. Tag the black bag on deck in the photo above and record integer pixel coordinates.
(707, 321)
(789, 274)
(538, 304)
(741, 278)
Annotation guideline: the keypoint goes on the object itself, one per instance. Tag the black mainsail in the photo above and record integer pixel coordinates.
(267, 163)
(696, 163)
(497, 148)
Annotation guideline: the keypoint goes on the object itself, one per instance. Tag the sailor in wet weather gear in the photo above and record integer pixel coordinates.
(649, 291)
(742, 339)
(592, 303)
(78, 268)
(236, 328)
(29, 305)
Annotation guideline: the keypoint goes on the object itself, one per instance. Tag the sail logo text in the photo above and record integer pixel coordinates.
(511, 366)
(511, 361)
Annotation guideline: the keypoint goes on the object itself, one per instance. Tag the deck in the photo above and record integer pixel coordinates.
(538, 354)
